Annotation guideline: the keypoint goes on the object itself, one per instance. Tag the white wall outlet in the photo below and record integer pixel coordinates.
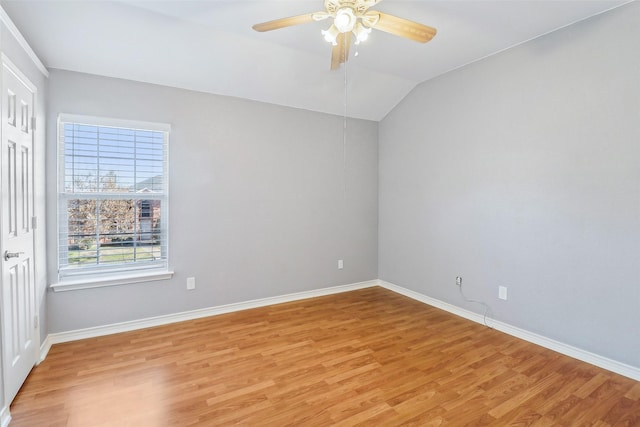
(459, 280)
(502, 292)
(191, 283)
(340, 264)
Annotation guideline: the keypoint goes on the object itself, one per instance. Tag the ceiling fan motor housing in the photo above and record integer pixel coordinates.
(358, 7)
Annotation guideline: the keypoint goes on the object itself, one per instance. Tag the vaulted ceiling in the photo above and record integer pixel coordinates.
(209, 46)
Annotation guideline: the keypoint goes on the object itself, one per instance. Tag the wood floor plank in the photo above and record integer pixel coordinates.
(369, 357)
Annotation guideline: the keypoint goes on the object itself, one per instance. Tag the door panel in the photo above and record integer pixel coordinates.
(19, 329)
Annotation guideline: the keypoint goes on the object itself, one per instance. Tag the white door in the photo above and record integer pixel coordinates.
(19, 327)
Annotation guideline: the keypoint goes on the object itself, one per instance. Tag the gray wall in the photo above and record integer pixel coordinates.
(257, 200)
(523, 170)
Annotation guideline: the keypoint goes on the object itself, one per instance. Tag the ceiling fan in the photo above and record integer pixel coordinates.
(353, 17)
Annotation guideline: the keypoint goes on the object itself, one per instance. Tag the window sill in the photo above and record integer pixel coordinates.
(99, 281)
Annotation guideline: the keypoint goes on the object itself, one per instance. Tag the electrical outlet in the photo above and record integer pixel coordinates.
(502, 292)
(340, 264)
(191, 283)
(459, 280)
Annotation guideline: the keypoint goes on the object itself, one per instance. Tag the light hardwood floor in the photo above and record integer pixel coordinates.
(369, 357)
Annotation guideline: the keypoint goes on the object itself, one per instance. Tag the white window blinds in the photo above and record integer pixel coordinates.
(112, 195)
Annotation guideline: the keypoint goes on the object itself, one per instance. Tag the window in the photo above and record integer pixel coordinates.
(112, 198)
(145, 209)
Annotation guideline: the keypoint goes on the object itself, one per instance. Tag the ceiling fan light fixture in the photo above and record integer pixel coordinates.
(361, 32)
(331, 34)
(345, 19)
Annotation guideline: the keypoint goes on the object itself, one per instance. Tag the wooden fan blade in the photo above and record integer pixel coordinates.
(284, 22)
(340, 52)
(336, 53)
(347, 47)
(404, 28)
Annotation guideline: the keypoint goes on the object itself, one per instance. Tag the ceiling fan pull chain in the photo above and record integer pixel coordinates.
(344, 128)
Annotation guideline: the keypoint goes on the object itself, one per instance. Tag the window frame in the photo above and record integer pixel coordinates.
(70, 278)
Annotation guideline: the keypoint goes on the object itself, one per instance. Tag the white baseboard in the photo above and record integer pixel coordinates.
(577, 353)
(5, 417)
(115, 328)
(44, 349)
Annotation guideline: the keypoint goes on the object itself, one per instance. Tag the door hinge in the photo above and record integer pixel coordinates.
(35, 322)
(33, 123)
(34, 222)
